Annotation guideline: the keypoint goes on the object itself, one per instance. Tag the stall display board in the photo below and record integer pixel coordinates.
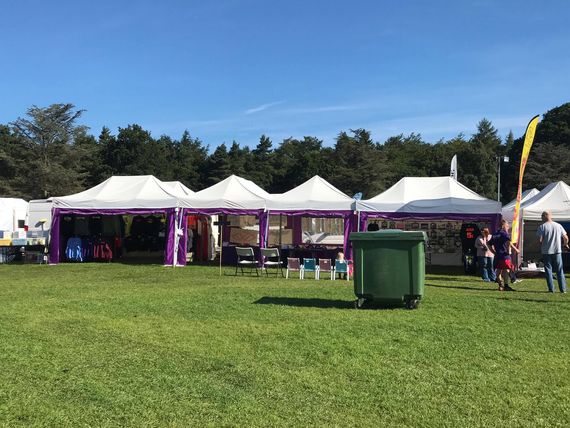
(443, 246)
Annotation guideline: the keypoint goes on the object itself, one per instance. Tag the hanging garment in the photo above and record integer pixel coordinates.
(102, 251)
(73, 250)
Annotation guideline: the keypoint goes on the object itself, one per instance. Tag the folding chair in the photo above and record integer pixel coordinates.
(310, 265)
(325, 265)
(271, 258)
(294, 265)
(341, 267)
(246, 257)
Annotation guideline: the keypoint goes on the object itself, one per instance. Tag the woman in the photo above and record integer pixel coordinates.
(485, 256)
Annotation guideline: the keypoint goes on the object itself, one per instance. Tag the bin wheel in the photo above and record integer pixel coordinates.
(359, 303)
(412, 303)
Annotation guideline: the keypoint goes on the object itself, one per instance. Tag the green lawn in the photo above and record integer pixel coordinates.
(115, 345)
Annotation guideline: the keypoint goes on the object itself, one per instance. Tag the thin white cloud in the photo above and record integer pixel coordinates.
(262, 107)
(324, 109)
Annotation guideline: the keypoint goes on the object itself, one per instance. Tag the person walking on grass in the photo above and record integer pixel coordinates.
(551, 236)
(485, 256)
(501, 245)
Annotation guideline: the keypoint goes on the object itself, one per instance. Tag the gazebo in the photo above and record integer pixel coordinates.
(315, 197)
(232, 196)
(118, 195)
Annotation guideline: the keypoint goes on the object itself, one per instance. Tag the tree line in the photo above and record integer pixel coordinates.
(47, 153)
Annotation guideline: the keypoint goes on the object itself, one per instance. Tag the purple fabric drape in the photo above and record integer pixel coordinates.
(54, 237)
(182, 239)
(171, 237)
(297, 226)
(346, 247)
(57, 213)
(350, 225)
(263, 225)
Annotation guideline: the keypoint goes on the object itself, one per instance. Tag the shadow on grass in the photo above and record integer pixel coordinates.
(490, 288)
(447, 278)
(513, 297)
(306, 302)
(460, 287)
(302, 302)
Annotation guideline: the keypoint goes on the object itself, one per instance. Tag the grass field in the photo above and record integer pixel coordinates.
(116, 345)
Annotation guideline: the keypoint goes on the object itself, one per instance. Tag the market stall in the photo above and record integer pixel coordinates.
(240, 203)
(319, 217)
(122, 215)
(554, 198)
(440, 206)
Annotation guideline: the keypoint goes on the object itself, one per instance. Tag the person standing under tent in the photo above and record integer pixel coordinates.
(551, 235)
(501, 245)
(485, 256)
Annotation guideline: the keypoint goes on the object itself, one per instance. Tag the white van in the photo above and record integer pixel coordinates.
(38, 218)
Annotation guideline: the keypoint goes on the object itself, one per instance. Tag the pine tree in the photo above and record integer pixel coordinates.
(218, 165)
(191, 158)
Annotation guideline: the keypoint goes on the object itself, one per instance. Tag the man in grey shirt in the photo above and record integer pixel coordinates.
(551, 235)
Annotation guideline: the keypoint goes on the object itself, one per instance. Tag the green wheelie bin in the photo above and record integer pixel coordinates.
(389, 267)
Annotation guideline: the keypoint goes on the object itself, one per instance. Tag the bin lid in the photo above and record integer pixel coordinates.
(384, 235)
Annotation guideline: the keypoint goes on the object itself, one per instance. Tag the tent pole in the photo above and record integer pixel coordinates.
(221, 233)
(175, 260)
(280, 240)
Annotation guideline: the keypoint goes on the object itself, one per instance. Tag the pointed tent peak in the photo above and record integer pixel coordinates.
(318, 189)
(234, 183)
(526, 195)
(178, 188)
(233, 192)
(315, 194)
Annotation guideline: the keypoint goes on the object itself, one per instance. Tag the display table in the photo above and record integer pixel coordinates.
(22, 254)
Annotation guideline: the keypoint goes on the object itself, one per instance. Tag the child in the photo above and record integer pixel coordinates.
(340, 258)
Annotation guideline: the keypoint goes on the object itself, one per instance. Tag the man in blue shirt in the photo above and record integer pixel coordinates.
(551, 236)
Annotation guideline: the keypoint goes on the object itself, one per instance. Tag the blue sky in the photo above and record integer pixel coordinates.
(233, 70)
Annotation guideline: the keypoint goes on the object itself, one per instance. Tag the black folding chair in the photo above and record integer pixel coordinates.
(246, 258)
(272, 259)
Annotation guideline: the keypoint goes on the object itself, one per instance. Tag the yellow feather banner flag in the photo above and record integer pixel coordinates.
(528, 140)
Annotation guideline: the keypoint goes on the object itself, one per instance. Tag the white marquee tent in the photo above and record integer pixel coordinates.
(508, 210)
(118, 195)
(429, 195)
(316, 197)
(233, 193)
(139, 191)
(554, 198)
(315, 194)
(12, 210)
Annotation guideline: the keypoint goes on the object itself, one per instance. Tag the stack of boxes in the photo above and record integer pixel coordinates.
(5, 238)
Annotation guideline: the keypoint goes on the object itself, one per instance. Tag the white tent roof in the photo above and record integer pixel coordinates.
(138, 191)
(12, 210)
(554, 198)
(430, 195)
(177, 188)
(315, 194)
(509, 209)
(232, 193)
